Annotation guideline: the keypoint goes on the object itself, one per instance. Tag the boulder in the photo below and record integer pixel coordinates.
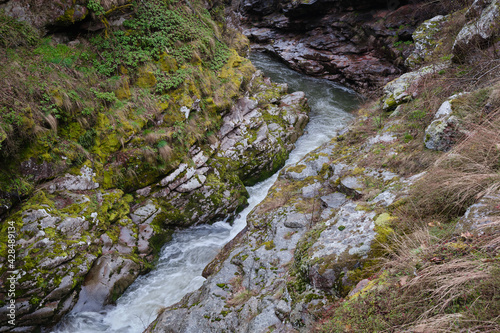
(425, 41)
(446, 129)
(108, 278)
(400, 90)
(483, 27)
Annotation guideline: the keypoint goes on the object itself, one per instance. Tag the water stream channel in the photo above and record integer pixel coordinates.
(182, 260)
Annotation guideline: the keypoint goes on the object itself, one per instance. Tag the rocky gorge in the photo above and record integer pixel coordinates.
(99, 178)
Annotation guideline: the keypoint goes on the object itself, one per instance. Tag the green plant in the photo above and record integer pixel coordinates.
(87, 139)
(16, 33)
(159, 28)
(96, 7)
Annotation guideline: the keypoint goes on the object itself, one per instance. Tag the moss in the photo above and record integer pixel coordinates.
(297, 168)
(269, 245)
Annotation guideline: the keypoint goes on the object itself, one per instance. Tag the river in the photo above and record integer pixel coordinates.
(182, 260)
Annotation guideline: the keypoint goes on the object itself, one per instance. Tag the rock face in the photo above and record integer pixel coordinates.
(302, 243)
(362, 45)
(253, 143)
(73, 234)
(82, 241)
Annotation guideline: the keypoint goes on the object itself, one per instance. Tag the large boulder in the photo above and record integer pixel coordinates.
(483, 27)
(400, 90)
(425, 41)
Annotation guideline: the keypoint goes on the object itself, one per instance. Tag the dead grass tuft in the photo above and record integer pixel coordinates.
(165, 153)
(469, 171)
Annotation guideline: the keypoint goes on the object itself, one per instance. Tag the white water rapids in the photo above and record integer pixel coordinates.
(182, 260)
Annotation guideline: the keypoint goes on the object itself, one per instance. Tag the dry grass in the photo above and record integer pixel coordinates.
(149, 155)
(429, 284)
(154, 137)
(469, 171)
(165, 153)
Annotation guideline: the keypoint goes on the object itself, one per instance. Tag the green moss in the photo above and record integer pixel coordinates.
(297, 168)
(269, 245)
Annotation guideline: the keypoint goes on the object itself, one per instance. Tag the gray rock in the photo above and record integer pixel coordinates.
(445, 130)
(295, 220)
(312, 190)
(145, 214)
(73, 226)
(110, 275)
(84, 181)
(480, 30)
(385, 198)
(480, 214)
(307, 167)
(351, 232)
(398, 91)
(334, 200)
(351, 186)
(425, 41)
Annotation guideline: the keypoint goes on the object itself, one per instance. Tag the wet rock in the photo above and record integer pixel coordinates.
(108, 278)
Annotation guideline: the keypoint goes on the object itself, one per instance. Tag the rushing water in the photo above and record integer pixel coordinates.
(182, 260)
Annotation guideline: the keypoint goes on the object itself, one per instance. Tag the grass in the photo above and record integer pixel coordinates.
(87, 96)
(426, 277)
(458, 179)
(428, 285)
